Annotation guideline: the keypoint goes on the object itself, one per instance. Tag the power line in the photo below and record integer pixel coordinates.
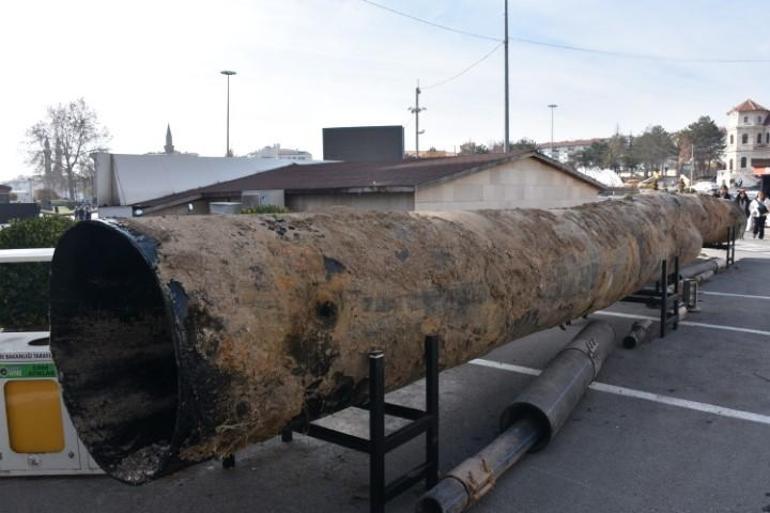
(431, 23)
(631, 55)
(465, 70)
(574, 48)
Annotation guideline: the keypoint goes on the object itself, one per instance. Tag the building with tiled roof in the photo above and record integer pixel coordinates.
(563, 150)
(492, 181)
(747, 136)
(747, 106)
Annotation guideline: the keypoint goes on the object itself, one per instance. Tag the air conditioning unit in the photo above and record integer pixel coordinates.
(37, 435)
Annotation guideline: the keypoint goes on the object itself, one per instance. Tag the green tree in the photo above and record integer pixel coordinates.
(653, 148)
(593, 156)
(522, 144)
(471, 148)
(75, 132)
(617, 146)
(24, 287)
(708, 142)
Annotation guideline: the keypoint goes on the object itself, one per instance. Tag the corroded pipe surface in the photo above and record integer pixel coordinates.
(183, 338)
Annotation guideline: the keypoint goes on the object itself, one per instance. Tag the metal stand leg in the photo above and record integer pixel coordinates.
(431, 406)
(677, 294)
(379, 444)
(376, 432)
(663, 297)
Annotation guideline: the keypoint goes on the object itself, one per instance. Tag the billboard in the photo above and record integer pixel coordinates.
(364, 143)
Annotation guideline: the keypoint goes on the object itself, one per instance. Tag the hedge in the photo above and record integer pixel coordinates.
(24, 287)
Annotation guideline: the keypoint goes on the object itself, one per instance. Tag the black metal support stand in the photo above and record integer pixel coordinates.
(728, 246)
(665, 295)
(379, 444)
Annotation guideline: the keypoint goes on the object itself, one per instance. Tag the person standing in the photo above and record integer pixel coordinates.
(743, 201)
(759, 209)
(724, 193)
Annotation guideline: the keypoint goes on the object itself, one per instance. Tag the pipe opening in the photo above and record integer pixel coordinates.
(112, 343)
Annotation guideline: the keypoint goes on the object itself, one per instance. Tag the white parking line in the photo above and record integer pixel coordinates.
(712, 409)
(686, 323)
(727, 294)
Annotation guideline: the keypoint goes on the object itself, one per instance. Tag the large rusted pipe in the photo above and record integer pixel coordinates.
(183, 338)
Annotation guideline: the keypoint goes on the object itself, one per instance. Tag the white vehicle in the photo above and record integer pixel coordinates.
(705, 187)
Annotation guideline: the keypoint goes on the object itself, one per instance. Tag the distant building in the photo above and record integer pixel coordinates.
(5, 193)
(490, 181)
(364, 143)
(169, 147)
(563, 151)
(276, 152)
(761, 172)
(747, 136)
(123, 181)
(23, 188)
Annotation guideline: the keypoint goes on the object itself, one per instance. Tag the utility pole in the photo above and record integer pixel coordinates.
(552, 106)
(228, 74)
(692, 167)
(416, 111)
(506, 142)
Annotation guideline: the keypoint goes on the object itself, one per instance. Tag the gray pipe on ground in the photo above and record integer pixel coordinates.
(639, 333)
(700, 268)
(182, 338)
(529, 424)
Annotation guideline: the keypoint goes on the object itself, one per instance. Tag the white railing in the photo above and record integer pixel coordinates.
(16, 256)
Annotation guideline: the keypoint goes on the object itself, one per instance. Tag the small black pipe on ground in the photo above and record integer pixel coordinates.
(639, 334)
(528, 424)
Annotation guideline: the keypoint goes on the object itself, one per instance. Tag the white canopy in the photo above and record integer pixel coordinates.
(130, 179)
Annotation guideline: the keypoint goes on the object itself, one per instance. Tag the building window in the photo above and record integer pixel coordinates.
(731, 164)
(743, 162)
(759, 120)
(767, 137)
(745, 119)
(759, 138)
(732, 139)
(745, 139)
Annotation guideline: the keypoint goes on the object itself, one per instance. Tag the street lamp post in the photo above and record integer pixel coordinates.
(228, 74)
(552, 106)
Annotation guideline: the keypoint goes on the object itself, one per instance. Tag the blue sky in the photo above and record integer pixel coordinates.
(306, 64)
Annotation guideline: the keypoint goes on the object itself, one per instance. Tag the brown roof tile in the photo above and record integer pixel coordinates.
(747, 106)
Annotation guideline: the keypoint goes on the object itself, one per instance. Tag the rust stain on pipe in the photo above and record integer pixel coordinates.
(183, 338)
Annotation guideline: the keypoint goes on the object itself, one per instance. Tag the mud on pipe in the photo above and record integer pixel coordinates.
(183, 338)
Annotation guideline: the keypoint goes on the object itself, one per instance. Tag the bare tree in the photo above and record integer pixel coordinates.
(75, 132)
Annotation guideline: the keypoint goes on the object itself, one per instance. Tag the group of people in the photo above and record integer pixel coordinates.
(82, 213)
(756, 209)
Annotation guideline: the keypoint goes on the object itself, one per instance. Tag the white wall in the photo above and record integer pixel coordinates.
(526, 183)
(736, 126)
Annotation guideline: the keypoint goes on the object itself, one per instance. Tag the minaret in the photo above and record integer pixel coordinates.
(169, 147)
(47, 162)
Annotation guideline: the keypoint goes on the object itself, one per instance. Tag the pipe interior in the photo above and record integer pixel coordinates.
(112, 343)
